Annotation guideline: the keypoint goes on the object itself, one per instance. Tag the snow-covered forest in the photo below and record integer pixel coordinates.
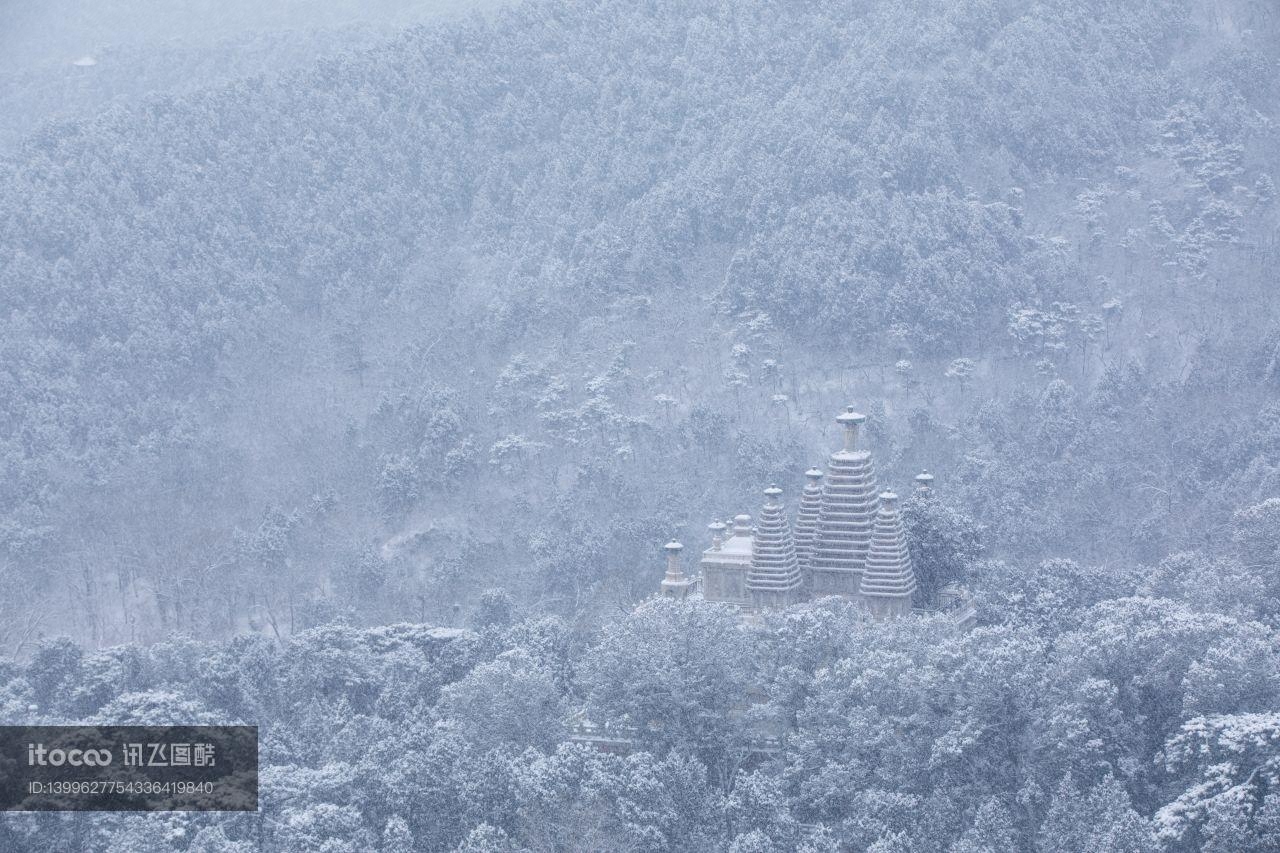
(357, 360)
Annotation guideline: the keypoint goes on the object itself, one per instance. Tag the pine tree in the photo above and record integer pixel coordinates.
(1100, 818)
(993, 831)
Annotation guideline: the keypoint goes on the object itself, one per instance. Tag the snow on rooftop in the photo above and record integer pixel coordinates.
(441, 633)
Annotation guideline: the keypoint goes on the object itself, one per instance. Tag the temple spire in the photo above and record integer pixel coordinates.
(717, 534)
(888, 579)
(850, 421)
(807, 515)
(675, 584)
(845, 516)
(774, 579)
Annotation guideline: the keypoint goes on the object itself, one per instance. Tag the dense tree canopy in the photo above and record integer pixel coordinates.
(458, 326)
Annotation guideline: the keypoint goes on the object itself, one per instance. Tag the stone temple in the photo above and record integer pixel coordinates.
(847, 540)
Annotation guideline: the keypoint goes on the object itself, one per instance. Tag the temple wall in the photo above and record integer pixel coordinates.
(834, 583)
(887, 608)
(775, 599)
(725, 583)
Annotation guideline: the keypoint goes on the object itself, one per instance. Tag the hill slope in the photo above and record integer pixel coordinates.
(533, 293)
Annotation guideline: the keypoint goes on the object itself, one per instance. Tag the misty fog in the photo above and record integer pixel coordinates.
(520, 413)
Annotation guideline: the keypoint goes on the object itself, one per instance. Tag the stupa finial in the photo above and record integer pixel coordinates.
(673, 549)
(717, 534)
(850, 421)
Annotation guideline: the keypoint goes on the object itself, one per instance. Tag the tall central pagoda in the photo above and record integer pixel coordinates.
(845, 515)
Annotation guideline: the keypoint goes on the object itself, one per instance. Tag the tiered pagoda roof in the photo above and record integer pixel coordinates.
(887, 572)
(848, 506)
(774, 567)
(807, 515)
